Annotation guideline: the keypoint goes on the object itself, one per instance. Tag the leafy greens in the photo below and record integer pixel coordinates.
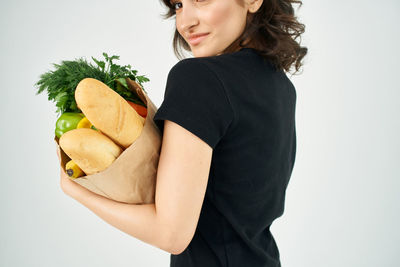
(61, 83)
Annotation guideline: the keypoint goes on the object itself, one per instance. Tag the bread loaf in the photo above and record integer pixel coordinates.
(108, 111)
(91, 150)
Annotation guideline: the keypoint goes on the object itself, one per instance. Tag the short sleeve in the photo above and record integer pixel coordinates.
(195, 99)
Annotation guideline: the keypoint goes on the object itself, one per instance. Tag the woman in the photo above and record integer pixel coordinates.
(229, 138)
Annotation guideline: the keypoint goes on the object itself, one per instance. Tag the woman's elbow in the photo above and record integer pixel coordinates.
(178, 244)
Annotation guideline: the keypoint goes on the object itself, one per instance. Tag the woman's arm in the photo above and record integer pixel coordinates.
(139, 221)
(182, 178)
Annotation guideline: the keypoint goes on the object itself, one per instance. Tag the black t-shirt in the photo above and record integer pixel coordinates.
(245, 110)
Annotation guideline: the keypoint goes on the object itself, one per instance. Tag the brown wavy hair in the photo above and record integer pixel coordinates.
(272, 31)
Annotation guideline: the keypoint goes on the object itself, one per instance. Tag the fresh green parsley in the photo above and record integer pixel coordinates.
(61, 83)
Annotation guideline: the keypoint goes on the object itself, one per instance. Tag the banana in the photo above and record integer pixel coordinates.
(73, 170)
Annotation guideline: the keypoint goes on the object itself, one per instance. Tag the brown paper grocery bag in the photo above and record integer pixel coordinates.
(131, 178)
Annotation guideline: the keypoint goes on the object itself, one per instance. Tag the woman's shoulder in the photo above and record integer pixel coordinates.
(211, 62)
(217, 69)
(192, 63)
(192, 68)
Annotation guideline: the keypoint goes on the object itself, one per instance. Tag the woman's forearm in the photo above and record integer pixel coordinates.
(139, 221)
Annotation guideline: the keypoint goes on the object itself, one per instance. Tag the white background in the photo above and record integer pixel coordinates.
(342, 201)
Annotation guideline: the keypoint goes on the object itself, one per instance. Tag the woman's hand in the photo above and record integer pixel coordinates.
(67, 185)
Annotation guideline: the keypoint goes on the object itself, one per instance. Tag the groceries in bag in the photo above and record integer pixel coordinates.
(132, 159)
(119, 123)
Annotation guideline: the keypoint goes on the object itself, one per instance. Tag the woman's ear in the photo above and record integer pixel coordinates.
(254, 5)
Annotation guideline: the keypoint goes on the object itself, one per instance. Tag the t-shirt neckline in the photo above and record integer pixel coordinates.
(246, 49)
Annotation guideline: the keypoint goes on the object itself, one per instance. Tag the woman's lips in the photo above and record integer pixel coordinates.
(198, 39)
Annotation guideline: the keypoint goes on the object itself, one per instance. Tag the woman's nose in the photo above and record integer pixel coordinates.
(188, 18)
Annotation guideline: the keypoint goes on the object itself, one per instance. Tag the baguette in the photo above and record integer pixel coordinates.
(108, 111)
(91, 150)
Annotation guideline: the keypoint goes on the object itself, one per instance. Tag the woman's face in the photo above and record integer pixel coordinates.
(222, 22)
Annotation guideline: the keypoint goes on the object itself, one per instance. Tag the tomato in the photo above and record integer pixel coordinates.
(141, 110)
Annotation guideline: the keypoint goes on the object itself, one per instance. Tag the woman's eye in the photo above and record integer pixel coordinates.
(174, 4)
